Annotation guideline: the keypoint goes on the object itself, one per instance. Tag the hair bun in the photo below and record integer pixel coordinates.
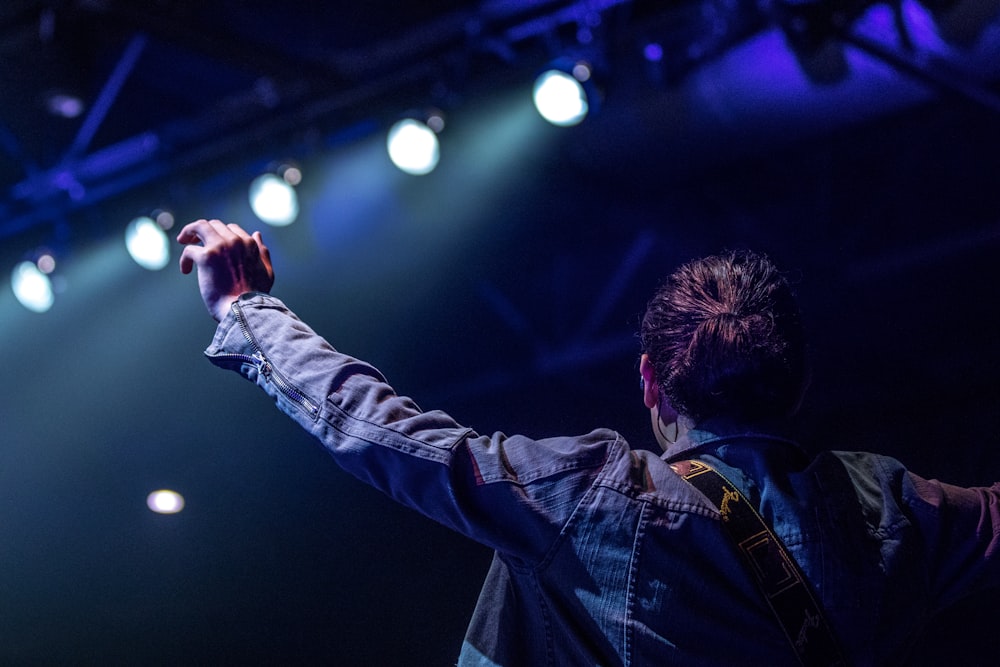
(725, 339)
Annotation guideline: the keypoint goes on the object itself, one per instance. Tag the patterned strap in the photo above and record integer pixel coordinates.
(777, 574)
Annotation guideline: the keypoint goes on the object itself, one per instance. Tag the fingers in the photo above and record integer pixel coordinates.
(202, 239)
(199, 231)
(239, 231)
(190, 256)
(213, 235)
(208, 232)
(265, 252)
(194, 232)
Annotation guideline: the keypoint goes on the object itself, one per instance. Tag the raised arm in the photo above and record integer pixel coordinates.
(513, 494)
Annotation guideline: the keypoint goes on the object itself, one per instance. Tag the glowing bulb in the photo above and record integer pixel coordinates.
(32, 287)
(273, 199)
(559, 98)
(147, 243)
(46, 263)
(413, 147)
(165, 219)
(292, 175)
(165, 501)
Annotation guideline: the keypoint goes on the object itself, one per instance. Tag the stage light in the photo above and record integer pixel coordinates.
(147, 243)
(165, 219)
(273, 197)
(560, 96)
(165, 501)
(32, 286)
(653, 52)
(413, 144)
(64, 105)
(46, 263)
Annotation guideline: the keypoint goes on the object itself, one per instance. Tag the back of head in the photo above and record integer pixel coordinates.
(725, 338)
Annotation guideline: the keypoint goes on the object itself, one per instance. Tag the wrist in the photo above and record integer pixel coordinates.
(223, 306)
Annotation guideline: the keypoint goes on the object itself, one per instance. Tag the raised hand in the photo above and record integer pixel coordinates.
(230, 262)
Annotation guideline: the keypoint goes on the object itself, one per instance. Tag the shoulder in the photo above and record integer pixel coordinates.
(646, 476)
(525, 460)
(881, 486)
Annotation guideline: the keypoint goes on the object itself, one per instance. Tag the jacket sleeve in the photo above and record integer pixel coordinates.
(511, 493)
(961, 533)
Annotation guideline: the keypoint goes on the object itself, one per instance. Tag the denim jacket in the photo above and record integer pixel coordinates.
(603, 555)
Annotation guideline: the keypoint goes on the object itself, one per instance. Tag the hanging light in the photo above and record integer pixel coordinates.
(413, 143)
(165, 501)
(147, 243)
(273, 198)
(32, 286)
(560, 93)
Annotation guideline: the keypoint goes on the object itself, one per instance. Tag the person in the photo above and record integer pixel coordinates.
(609, 555)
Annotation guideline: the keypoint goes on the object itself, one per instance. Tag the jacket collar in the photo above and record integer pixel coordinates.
(713, 434)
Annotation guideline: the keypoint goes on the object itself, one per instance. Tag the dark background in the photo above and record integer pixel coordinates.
(505, 287)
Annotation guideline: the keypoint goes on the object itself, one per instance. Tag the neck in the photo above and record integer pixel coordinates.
(667, 433)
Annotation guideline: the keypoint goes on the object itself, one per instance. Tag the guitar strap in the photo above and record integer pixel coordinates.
(777, 574)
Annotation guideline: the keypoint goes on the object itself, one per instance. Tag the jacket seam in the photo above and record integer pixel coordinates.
(340, 419)
(571, 519)
(630, 594)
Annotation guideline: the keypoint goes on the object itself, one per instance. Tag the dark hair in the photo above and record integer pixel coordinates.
(725, 338)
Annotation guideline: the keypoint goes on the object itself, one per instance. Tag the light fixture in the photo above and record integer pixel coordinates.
(561, 93)
(165, 501)
(31, 284)
(272, 195)
(413, 143)
(147, 242)
(64, 105)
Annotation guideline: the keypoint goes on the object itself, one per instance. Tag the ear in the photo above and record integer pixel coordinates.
(650, 390)
(651, 396)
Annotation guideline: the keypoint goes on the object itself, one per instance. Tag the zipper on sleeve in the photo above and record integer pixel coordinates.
(264, 367)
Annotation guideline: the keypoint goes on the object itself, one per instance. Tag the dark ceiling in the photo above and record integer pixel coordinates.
(858, 143)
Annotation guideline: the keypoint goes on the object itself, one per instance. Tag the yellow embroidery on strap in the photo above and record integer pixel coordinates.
(727, 497)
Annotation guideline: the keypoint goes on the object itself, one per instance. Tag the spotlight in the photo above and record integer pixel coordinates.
(413, 144)
(32, 286)
(165, 501)
(147, 243)
(273, 197)
(64, 105)
(561, 95)
(46, 263)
